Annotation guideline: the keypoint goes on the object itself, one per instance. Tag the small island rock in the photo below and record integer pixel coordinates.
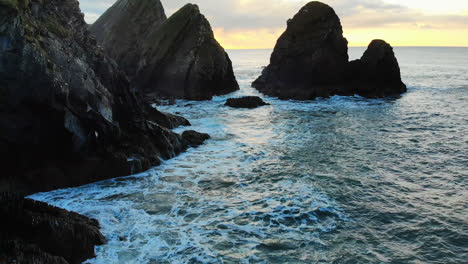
(246, 102)
(376, 74)
(310, 60)
(310, 57)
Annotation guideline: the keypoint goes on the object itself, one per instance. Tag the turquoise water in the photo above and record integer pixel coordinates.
(338, 180)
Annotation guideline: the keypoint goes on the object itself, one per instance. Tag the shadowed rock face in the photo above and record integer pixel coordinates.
(179, 58)
(67, 114)
(184, 60)
(310, 57)
(124, 27)
(310, 60)
(34, 232)
(376, 74)
(246, 102)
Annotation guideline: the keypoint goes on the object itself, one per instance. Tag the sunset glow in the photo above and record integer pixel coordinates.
(249, 24)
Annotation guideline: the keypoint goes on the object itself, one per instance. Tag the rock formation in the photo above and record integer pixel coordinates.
(310, 60)
(246, 102)
(67, 114)
(125, 27)
(376, 74)
(310, 57)
(34, 232)
(179, 58)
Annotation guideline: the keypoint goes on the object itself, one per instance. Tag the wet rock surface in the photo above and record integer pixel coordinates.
(178, 58)
(246, 102)
(34, 232)
(194, 138)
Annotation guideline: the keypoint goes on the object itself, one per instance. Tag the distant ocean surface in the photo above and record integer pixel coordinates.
(338, 180)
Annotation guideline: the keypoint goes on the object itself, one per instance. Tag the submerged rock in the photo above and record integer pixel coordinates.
(310, 60)
(179, 58)
(246, 102)
(34, 232)
(194, 138)
(67, 114)
(310, 57)
(376, 74)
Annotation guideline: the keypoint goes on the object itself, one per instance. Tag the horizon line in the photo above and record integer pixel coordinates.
(358, 47)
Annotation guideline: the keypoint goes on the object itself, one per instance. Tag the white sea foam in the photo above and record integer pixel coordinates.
(343, 179)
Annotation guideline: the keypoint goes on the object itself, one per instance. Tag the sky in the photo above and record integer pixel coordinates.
(249, 24)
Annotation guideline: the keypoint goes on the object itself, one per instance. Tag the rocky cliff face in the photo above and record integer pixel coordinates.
(309, 59)
(124, 27)
(34, 232)
(180, 58)
(376, 74)
(67, 114)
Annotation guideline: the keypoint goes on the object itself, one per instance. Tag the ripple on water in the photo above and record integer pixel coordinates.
(338, 180)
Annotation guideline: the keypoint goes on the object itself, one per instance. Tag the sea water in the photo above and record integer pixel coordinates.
(337, 180)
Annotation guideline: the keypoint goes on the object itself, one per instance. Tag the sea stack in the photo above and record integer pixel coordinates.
(376, 74)
(178, 59)
(67, 114)
(125, 27)
(310, 60)
(310, 57)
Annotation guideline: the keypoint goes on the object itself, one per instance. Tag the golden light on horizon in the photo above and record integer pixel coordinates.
(266, 38)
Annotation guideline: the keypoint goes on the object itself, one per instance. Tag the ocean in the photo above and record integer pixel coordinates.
(336, 180)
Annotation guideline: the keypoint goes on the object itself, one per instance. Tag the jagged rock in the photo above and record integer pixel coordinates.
(310, 60)
(310, 57)
(125, 27)
(67, 114)
(178, 59)
(194, 138)
(34, 232)
(246, 102)
(376, 74)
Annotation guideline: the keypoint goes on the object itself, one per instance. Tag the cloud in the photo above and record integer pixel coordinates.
(230, 18)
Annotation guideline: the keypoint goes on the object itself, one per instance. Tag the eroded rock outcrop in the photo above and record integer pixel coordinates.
(310, 57)
(178, 59)
(376, 74)
(67, 114)
(310, 60)
(246, 102)
(34, 232)
(125, 27)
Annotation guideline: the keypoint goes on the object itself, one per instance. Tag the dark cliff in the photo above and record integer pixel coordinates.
(124, 27)
(179, 58)
(34, 232)
(376, 74)
(310, 57)
(67, 114)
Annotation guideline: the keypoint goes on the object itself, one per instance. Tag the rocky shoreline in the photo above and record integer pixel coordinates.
(68, 116)
(74, 100)
(34, 232)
